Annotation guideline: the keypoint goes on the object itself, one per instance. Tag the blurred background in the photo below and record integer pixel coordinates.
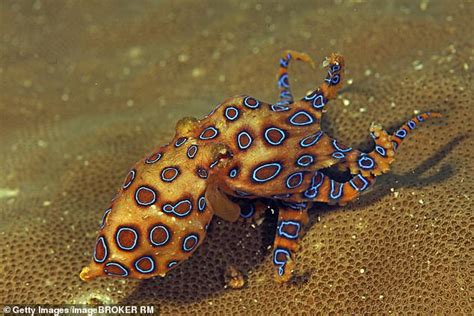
(89, 87)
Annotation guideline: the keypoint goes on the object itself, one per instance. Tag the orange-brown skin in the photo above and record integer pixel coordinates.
(242, 156)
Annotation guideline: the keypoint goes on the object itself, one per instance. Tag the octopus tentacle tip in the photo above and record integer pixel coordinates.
(88, 274)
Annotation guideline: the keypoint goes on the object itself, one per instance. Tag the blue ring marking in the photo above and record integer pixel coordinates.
(115, 264)
(310, 119)
(285, 94)
(101, 239)
(150, 270)
(180, 141)
(202, 173)
(311, 139)
(318, 101)
(363, 159)
(233, 173)
(312, 192)
(169, 208)
(282, 232)
(284, 62)
(311, 96)
(364, 180)
(104, 217)
(244, 133)
(335, 67)
(117, 239)
(213, 164)
(290, 178)
(279, 107)
(280, 264)
(301, 163)
(381, 150)
(196, 241)
(158, 157)
(126, 185)
(168, 235)
(338, 155)
(210, 128)
(254, 174)
(202, 204)
(279, 130)
(411, 124)
(176, 173)
(247, 213)
(335, 79)
(247, 104)
(172, 264)
(192, 151)
(420, 118)
(401, 133)
(283, 81)
(337, 147)
(339, 192)
(146, 189)
(229, 116)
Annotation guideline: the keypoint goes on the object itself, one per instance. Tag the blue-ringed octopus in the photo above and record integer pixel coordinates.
(245, 156)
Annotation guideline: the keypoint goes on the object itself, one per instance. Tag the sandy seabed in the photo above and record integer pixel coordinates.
(89, 87)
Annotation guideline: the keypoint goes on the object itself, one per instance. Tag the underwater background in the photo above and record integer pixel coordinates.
(87, 88)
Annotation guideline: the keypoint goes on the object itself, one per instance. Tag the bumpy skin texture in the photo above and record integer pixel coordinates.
(244, 155)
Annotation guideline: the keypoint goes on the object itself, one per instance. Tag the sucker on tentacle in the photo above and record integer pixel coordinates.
(234, 163)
